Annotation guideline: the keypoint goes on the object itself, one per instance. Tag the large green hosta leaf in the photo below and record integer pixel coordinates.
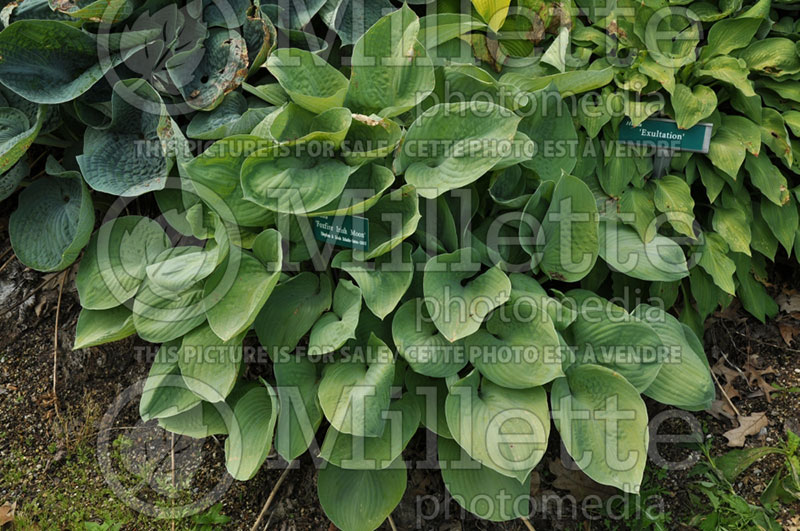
(114, 264)
(165, 393)
(201, 421)
(374, 453)
(292, 309)
(209, 365)
(458, 296)
(430, 394)
(369, 138)
(128, 158)
(231, 117)
(215, 175)
(291, 184)
(351, 19)
(354, 392)
(550, 127)
(309, 80)
(17, 133)
(479, 489)
(684, 379)
(661, 259)
(255, 411)
(360, 500)
(391, 71)
(570, 231)
(392, 219)
(383, 282)
(293, 125)
(334, 328)
(419, 342)
(453, 144)
(519, 348)
(52, 223)
(503, 429)
(300, 413)
(237, 290)
(162, 315)
(49, 61)
(606, 334)
(603, 425)
(96, 327)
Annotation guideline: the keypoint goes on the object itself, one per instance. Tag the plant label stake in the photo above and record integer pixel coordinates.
(664, 135)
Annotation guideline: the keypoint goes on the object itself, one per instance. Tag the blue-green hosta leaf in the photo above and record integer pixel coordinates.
(692, 104)
(293, 125)
(527, 289)
(179, 268)
(364, 188)
(165, 393)
(713, 258)
(419, 342)
(391, 220)
(603, 425)
(209, 365)
(567, 83)
(300, 413)
(161, 315)
(370, 138)
(355, 392)
(109, 12)
(661, 259)
(235, 292)
(549, 125)
(360, 500)
(684, 379)
(443, 27)
(215, 177)
(482, 416)
(430, 394)
(11, 178)
(383, 281)
(128, 157)
(294, 14)
(607, 335)
(309, 80)
(334, 328)
(260, 36)
(231, 117)
(570, 231)
(458, 296)
(201, 421)
(391, 70)
(114, 263)
(453, 144)
(291, 310)
(255, 411)
(351, 19)
(211, 69)
(292, 184)
(479, 489)
(374, 453)
(519, 348)
(17, 133)
(52, 223)
(96, 327)
(49, 61)
(782, 221)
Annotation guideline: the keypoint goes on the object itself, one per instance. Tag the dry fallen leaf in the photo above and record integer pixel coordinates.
(756, 376)
(748, 425)
(788, 331)
(721, 408)
(789, 301)
(576, 482)
(7, 513)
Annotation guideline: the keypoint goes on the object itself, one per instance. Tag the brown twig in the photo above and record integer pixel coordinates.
(391, 523)
(527, 523)
(172, 461)
(55, 359)
(11, 259)
(735, 410)
(271, 497)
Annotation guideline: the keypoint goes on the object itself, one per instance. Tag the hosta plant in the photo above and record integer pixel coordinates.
(425, 222)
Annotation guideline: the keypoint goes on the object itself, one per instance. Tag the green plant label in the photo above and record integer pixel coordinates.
(344, 231)
(664, 133)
